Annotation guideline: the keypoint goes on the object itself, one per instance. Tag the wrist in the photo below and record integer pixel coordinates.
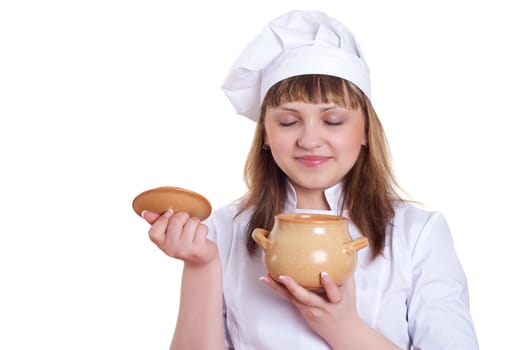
(362, 336)
(358, 331)
(211, 265)
(350, 334)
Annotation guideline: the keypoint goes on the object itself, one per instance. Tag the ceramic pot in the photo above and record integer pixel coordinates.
(305, 245)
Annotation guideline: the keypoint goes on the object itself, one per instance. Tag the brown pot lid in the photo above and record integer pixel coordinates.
(161, 199)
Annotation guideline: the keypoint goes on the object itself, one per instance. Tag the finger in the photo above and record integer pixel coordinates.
(175, 228)
(277, 287)
(201, 234)
(157, 232)
(333, 292)
(301, 294)
(150, 216)
(189, 230)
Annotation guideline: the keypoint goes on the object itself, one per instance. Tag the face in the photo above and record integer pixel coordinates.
(315, 145)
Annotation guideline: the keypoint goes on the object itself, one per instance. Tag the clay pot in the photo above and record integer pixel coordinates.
(304, 245)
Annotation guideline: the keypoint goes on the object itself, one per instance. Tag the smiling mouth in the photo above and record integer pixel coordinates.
(312, 161)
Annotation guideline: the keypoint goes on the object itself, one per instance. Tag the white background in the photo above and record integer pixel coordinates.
(102, 99)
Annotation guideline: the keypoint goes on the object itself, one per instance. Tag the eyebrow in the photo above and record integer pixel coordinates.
(324, 109)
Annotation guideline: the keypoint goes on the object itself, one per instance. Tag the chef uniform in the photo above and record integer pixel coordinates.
(414, 293)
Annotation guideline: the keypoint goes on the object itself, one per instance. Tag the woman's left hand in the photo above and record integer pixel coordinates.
(326, 313)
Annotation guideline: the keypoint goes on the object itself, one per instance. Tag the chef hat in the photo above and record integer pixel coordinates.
(296, 43)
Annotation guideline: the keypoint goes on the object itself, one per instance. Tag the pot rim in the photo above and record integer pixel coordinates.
(310, 218)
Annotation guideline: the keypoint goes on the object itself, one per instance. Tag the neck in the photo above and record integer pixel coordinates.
(311, 200)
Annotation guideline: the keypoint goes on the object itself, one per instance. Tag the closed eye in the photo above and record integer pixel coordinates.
(287, 123)
(333, 123)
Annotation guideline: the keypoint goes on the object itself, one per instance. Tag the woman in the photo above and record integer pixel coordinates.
(318, 147)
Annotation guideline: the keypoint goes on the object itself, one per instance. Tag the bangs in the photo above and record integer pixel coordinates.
(315, 89)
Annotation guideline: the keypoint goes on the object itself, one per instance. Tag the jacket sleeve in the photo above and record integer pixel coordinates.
(438, 305)
(213, 223)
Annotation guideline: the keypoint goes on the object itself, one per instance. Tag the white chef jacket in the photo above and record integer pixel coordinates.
(414, 293)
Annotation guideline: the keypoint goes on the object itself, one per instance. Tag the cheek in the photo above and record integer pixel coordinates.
(358, 135)
(350, 141)
(280, 149)
(279, 140)
(350, 149)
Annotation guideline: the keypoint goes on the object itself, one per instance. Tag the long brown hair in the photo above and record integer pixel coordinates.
(369, 188)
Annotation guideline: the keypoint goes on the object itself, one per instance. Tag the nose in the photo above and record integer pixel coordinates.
(310, 137)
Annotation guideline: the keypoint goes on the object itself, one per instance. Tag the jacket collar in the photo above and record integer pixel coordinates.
(333, 197)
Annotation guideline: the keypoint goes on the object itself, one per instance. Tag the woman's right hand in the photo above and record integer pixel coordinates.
(181, 236)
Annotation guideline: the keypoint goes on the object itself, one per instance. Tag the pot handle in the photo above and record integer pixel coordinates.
(260, 237)
(356, 244)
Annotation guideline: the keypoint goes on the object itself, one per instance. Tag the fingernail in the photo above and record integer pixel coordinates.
(143, 213)
(264, 279)
(324, 276)
(283, 279)
(168, 213)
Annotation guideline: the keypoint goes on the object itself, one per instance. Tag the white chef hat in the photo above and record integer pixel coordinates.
(296, 43)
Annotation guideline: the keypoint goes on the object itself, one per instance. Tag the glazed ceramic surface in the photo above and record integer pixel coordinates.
(160, 199)
(305, 245)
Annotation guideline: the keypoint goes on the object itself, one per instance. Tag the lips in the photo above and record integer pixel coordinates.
(312, 161)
